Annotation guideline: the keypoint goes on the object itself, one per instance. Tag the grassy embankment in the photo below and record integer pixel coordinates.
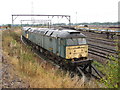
(111, 70)
(31, 68)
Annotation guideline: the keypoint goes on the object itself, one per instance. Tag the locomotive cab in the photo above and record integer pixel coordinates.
(75, 45)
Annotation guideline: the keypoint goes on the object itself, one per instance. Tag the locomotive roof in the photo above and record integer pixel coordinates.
(62, 33)
(68, 34)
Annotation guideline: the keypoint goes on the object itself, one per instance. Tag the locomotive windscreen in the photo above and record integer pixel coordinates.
(74, 32)
(76, 41)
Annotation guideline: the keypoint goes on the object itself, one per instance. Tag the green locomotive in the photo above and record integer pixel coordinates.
(67, 44)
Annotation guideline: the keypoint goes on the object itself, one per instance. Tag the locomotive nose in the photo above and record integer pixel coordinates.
(76, 51)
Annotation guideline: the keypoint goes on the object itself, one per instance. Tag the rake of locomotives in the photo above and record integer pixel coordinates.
(67, 48)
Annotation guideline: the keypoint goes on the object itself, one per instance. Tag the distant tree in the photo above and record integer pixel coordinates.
(9, 25)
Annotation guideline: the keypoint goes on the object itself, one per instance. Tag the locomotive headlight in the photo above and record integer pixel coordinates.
(86, 51)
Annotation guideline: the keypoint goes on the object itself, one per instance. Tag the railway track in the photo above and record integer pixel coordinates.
(106, 40)
(102, 51)
(100, 41)
(102, 48)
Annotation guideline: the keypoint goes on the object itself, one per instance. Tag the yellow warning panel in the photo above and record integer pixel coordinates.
(76, 51)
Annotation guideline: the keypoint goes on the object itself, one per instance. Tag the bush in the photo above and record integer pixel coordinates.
(111, 71)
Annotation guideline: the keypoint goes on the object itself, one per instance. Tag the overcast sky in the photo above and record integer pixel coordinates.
(87, 10)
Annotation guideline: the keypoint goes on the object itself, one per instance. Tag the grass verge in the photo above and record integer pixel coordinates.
(29, 66)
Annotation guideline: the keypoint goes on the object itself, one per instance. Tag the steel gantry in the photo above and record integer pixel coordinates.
(38, 21)
(14, 16)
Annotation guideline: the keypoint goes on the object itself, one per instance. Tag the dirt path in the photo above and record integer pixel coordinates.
(9, 78)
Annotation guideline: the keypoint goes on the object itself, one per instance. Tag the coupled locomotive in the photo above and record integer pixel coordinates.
(68, 44)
